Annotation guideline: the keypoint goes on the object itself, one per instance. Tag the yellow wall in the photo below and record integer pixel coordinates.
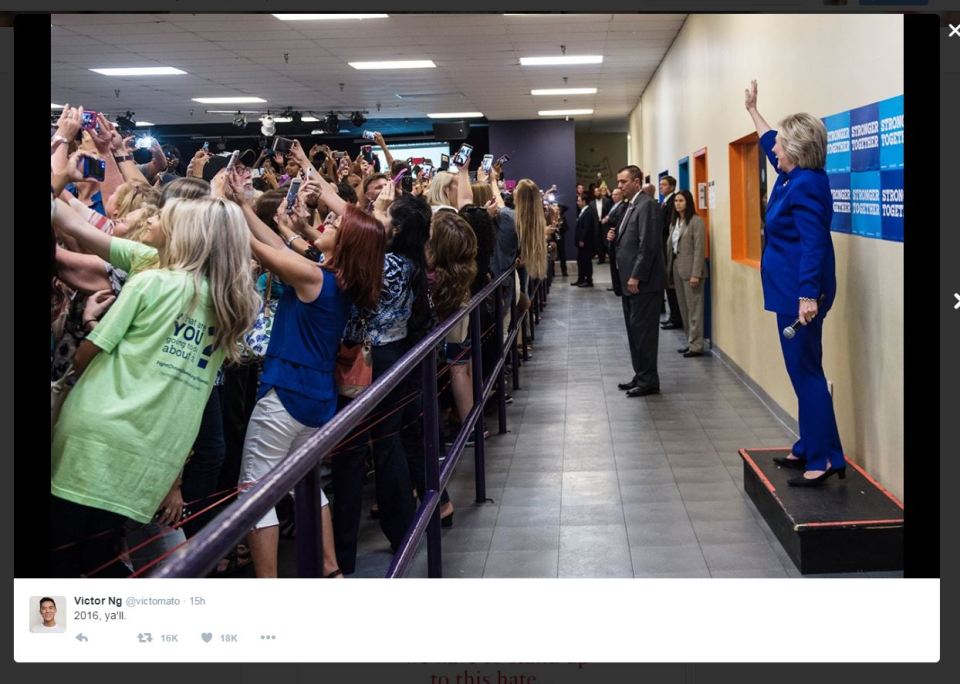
(823, 65)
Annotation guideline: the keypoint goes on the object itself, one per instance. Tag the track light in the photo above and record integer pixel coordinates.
(358, 119)
(331, 124)
(126, 122)
(239, 120)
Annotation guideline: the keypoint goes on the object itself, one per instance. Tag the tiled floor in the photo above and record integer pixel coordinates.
(589, 483)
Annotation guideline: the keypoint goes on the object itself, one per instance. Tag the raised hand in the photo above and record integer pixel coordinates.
(750, 96)
(70, 121)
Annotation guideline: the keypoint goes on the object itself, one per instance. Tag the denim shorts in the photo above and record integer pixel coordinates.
(457, 354)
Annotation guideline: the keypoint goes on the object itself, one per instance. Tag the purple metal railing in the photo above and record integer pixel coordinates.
(301, 470)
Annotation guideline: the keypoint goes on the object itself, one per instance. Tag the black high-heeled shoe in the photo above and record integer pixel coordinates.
(785, 462)
(447, 521)
(819, 480)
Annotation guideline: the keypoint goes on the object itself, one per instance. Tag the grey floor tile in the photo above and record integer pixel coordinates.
(706, 511)
(532, 463)
(521, 564)
(658, 493)
(541, 538)
(645, 476)
(708, 474)
(470, 515)
(752, 574)
(531, 496)
(677, 532)
(465, 539)
(674, 561)
(596, 563)
(722, 557)
(651, 512)
(695, 491)
(529, 516)
(585, 537)
(526, 478)
(591, 514)
(742, 531)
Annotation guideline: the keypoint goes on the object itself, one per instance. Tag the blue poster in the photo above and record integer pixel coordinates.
(891, 204)
(891, 133)
(838, 142)
(865, 204)
(840, 189)
(865, 138)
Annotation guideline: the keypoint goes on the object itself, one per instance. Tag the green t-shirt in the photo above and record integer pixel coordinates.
(127, 426)
(131, 256)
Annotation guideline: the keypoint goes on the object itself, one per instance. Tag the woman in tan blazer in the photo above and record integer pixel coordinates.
(686, 268)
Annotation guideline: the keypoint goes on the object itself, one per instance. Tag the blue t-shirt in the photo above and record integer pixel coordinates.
(302, 354)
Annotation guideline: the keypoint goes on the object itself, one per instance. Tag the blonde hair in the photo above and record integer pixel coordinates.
(481, 193)
(133, 195)
(137, 227)
(208, 238)
(437, 193)
(531, 227)
(803, 138)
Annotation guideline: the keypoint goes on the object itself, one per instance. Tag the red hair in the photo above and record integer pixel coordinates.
(357, 260)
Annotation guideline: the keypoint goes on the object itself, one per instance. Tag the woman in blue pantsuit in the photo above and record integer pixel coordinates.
(799, 280)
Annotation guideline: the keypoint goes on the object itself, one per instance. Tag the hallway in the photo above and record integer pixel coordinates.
(590, 483)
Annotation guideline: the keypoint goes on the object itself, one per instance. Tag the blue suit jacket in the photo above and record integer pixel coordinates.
(798, 259)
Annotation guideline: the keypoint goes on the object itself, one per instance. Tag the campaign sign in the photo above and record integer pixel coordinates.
(865, 138)
(838, 142)
(891, 204)
(865, 204)
(840, 190)
(891, 133)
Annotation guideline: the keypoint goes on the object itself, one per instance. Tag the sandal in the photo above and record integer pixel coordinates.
(336, 573)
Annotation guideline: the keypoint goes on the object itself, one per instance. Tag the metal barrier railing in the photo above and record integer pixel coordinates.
(300, 471)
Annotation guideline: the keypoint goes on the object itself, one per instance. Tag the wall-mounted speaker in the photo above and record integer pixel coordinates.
(451, 130)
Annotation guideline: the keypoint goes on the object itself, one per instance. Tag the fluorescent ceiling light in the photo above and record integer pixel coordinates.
(145, 123)
(227, 100)
(564, 91)
(140, 71)
(282, 119)
(232, 111)
(327, 17)
(55, 106)
(308, 119)
(565, 60)
(455, 115)
(564, 112)
(396, 64)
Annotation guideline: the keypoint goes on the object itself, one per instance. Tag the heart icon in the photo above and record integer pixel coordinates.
(206, 636)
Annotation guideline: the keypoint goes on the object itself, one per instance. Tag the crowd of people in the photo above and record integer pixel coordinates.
(197, 320)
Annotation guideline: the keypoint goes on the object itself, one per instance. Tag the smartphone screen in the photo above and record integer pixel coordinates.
(369, 135)
(292, 194)
(503, 159)
(281, 145)
(94, 168)
(427, 170)
(145, 143)
(233, 159)
(460, 158)
(487, 163)
(89, 121)
(444, 162)
(206, 147)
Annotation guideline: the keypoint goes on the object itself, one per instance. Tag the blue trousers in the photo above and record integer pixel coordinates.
(819, 438)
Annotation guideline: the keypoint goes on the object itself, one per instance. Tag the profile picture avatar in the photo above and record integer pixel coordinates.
(43, 614)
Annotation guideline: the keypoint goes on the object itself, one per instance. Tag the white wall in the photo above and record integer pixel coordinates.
(823, 65)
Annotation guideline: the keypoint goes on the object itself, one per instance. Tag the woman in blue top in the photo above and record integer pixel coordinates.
(297, 391)
(799, 280)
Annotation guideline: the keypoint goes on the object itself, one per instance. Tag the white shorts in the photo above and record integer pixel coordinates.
(272, 435)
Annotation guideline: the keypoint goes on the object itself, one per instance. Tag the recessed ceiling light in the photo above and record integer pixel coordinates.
(565, 60)
(398, 64)
(564, 91)
(327, 17)
(145, 123)
(140, 71)
(227, 100)
(456, 115)
(564, 112)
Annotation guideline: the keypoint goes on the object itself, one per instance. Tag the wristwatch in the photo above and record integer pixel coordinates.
(128, 157)
(60, 138)
(292, 238)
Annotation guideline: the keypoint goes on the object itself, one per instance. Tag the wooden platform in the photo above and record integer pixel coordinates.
(850, 525)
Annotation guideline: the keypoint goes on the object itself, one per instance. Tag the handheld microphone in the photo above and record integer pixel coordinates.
(791, 330)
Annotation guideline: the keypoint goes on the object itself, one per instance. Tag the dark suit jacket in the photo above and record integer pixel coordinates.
(587, 225)
(615, 216)
(639, 245)
(666, 218)
(605, 207)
